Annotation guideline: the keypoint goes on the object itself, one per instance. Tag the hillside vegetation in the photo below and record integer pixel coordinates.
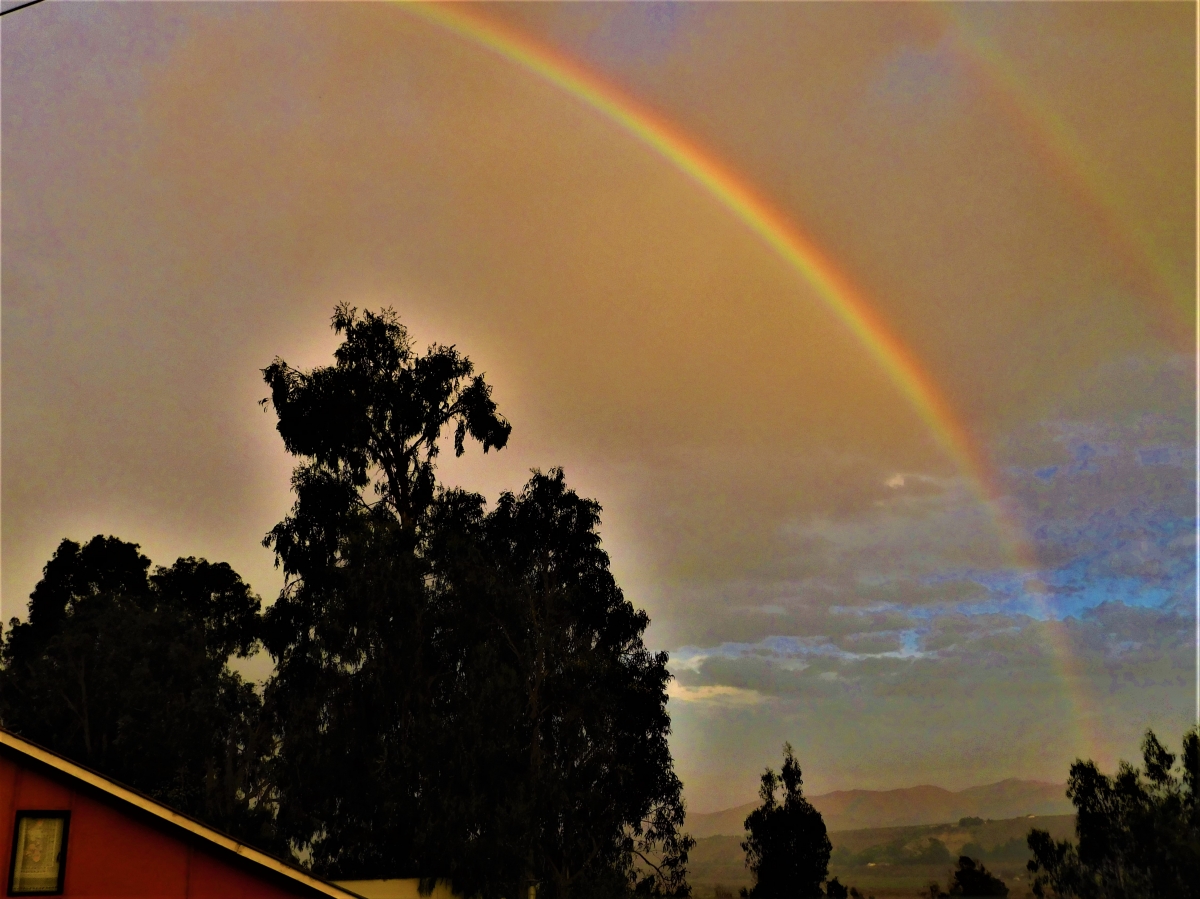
(890, 861)
(858, 809)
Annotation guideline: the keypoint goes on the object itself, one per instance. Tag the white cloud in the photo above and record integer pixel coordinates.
(716, 694)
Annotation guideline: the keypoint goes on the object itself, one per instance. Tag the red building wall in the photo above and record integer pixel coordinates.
(110, 853)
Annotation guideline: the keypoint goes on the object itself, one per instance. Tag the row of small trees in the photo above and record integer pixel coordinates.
(1138, 831)
(457, 692)
(1138, 837)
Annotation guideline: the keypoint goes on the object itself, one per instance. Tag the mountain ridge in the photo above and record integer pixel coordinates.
(922, 804)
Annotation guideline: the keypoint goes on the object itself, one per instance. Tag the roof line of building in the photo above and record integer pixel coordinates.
(169, 815)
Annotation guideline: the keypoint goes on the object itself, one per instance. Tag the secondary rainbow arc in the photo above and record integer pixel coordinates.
(1057, 147)
(832, 285)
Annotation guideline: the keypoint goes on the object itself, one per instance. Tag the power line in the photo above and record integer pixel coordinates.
(5, 12)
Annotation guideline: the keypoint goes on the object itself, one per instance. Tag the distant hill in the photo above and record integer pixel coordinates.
(859, 809)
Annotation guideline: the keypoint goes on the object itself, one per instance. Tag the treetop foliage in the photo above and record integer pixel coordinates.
(835, 889)
(458, 692)
(380, 409)
(788, 848)
(484, 667)
(971, 879)
(127, 672)
(1138, 831)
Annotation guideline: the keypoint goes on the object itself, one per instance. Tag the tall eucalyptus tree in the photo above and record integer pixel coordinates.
(459, 693)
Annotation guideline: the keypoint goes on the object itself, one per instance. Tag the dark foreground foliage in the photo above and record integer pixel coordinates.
(127, 672)
(459, 693)
(970, 878)
(1138, 831)
(787, 848)
(835, 889)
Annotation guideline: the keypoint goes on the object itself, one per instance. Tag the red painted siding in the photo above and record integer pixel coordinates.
(113, 854)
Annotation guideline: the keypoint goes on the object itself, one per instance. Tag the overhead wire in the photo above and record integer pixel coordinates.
(5, 12)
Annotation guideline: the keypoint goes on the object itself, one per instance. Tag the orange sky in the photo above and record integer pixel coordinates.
(189, 189)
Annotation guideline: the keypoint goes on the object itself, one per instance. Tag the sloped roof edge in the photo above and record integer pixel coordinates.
(169, 815)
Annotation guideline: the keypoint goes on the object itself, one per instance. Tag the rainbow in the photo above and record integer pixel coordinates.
(835, 289)
(1152, 272)
(1055, 144)
(799, 251)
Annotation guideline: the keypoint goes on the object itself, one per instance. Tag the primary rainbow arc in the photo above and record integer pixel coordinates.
(834, 288)
(799, 251)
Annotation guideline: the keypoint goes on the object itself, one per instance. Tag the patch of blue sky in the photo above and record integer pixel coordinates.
(910, 643)
(1143, 544)
(1058, 606)
(1130, 538)
(1066, 592)
(1142, 557)
(1084, 453)
(1163, 455)
(1084, 460)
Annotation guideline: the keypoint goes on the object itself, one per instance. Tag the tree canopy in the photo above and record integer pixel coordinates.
(357, 633)
(375, 417)
(127, 672)
(1138, 831)
(971, 879)
(787, 848)
(459, 692)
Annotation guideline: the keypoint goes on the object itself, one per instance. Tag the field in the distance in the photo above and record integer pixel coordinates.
(891, 861)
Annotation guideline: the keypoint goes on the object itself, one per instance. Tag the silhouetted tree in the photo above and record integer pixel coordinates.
(934, 852)
(356, 632)
(971, 878)
(373, 420)
(127, 672)
(788, 848)
(836, 890)
(1138, 832)
(458, 693)
(560, 722)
